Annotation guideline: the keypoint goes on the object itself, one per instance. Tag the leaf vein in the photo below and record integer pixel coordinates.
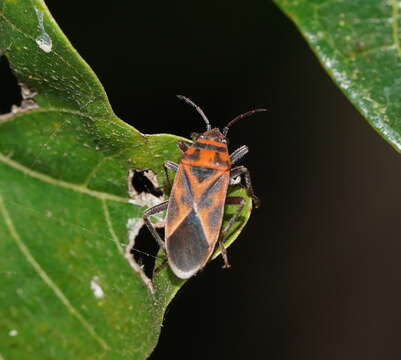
(98, 166)
(127, 253)
(395, 17)
(10, 117)
(110, 227)
(57, 182)
(46, 279)
(373, 50)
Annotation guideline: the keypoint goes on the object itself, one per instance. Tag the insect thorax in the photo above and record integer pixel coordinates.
(209, 151)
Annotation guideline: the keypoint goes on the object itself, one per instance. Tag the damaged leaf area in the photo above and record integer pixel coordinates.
(69, 285)
(358, 43)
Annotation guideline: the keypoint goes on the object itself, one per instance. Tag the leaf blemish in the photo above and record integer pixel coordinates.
(96, 288)
(43, 40)
(134, 225)
(143, 191)
(9, 85)
(13, 333)
(27, 103)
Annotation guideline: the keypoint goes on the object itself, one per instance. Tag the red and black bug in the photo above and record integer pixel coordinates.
(198, 196)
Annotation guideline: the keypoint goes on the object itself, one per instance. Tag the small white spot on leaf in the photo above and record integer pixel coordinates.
(95, 287)
(13, 332)
(43, 40)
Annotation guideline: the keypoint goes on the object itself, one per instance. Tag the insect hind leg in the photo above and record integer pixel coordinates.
(243, 171)
(146, 217)
(234, 200)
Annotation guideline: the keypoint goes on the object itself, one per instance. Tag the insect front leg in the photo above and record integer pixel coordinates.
(234, 200)
(238, 154)
(172, 166)
(146, 217)
(242, 170)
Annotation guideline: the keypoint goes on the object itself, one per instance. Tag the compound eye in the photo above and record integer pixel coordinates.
(195, 136)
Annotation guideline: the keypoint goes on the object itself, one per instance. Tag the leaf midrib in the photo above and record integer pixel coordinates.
(61, 183)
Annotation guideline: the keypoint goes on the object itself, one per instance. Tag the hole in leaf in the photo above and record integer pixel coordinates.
(141, 181)
(145, 251)
(144, 191)
(10, 90)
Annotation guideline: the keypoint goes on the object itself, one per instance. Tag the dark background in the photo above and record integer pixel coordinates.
(316, 272)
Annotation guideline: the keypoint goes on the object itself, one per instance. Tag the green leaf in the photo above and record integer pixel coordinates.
(68, 285)
(358, 43)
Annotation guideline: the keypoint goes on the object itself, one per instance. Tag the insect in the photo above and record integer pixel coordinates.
(198, 195)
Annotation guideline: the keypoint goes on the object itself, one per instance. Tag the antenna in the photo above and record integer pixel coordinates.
(239, 117)
(198, 109)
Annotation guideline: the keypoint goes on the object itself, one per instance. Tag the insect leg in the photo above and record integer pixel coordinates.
(224, 255)
(242, 170)
(184, 145)
(235, 200)
(238, 154)
(146, 215)
(172, 166)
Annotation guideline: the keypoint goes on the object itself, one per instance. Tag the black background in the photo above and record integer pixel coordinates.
(316, 272)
